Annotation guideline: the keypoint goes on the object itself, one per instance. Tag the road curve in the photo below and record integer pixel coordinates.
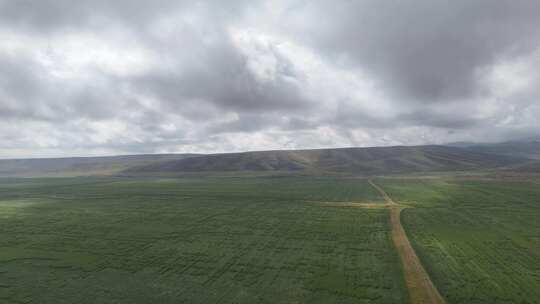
(421, 288)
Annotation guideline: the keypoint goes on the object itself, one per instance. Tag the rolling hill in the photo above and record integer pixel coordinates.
(79, 166)
(363, 161)
(356, 161)
(519, 148)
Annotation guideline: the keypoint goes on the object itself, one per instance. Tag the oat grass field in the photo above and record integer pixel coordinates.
(202, 240)
(265, 239)
(478, 239)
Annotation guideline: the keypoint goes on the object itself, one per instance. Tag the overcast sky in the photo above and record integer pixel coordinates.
(108, 77)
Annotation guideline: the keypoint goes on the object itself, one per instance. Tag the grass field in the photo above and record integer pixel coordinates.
(263, 240)
(479, 240)
(198, 240)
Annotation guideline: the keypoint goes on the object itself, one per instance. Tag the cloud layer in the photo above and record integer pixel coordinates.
(102, 77)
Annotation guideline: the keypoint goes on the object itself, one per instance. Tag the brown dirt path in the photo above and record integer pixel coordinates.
(352, 204)
(421, 288)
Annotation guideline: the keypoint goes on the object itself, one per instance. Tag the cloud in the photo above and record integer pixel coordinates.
(423, 50)
(51, 15)
(104, 77)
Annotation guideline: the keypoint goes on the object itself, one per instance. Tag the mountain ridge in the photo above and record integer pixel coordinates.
(79, 166)
(367, 161)
(350, 160)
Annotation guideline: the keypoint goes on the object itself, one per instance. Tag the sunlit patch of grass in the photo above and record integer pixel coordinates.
(18, 207)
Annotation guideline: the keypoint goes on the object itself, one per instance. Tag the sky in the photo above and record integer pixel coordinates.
(83, 78)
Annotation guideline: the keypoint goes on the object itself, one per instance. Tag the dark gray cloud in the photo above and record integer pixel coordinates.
(28, 92)
(446, 120)
(424, 50)
(22, 89)
(103, 77)
(221, 76)
(51, 15)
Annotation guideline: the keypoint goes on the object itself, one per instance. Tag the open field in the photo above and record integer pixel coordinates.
(479, 240)
(109, 240)
(265, 240)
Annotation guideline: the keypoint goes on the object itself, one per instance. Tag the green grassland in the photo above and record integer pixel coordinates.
(263, 240)
(194, 240)
(479, 240)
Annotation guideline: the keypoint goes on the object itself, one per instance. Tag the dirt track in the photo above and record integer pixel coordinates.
(421, 288)
(353, 205)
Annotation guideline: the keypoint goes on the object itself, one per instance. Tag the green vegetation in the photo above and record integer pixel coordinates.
(263, 240)
(479, 240)
(197, 240)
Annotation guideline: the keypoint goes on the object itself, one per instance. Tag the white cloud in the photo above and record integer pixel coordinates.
(209, 77)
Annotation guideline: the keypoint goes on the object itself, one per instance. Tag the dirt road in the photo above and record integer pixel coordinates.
(421, 288)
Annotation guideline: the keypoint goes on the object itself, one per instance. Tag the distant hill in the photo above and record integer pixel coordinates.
(80, 166)
(512, 156)
(364, 161)
(525, 149)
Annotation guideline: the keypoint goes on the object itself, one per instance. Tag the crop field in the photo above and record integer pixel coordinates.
(479, 240)
(264, 240)
(195, 240)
